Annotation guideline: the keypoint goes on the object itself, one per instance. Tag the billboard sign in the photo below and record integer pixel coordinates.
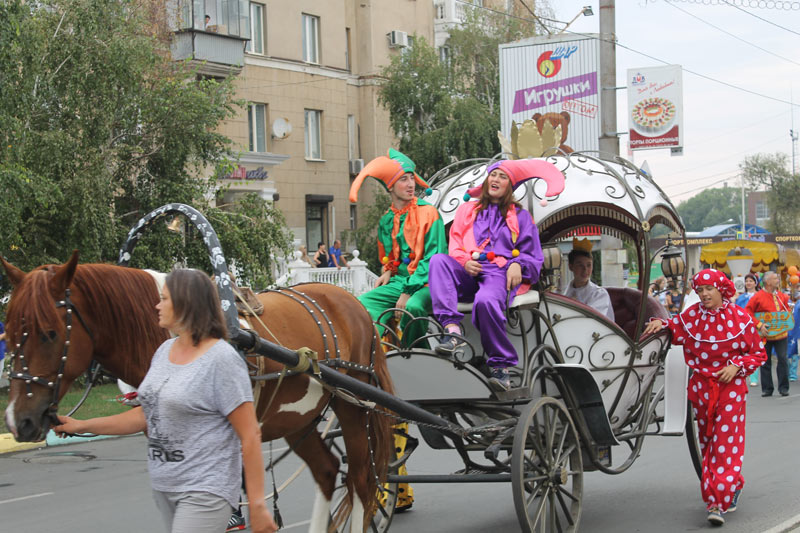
(556, 79)
(655, 107)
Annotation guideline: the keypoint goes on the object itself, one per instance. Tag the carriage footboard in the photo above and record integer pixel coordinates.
(588, 402)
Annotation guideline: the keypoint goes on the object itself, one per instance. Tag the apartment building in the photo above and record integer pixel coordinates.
(308, 70)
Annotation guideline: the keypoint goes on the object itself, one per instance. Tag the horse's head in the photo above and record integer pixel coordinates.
(49, 345)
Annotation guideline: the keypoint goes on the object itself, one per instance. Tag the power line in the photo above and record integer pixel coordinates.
(726, 157)
(617, 43)
(785, 5)
(694, 180)
(700, 188)
(669, 3)
(760, 18)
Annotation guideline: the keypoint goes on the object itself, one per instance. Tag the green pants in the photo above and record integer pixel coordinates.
(385, 297)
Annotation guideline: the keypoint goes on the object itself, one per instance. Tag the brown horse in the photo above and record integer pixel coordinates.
(60, 317)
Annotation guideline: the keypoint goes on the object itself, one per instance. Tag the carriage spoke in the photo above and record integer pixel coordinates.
(542, 504)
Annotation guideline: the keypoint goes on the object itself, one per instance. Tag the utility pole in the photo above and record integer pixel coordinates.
(792, 133)
(609, 141)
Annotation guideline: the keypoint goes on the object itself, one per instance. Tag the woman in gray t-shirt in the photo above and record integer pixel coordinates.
(197, 409)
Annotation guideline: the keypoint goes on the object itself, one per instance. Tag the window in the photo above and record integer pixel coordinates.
(313, 134)
(444, 54)
(353, 216)
(310, 39)
(347, 49)
(257, 126)
(352, 138)
(439, 10)
(256, 43)
(762, 211)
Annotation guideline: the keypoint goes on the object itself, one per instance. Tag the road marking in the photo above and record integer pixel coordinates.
(26, 497)
(297, 524)
(783, 527)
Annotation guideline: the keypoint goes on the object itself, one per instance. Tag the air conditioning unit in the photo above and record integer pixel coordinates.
(356, 166)
(397, 39)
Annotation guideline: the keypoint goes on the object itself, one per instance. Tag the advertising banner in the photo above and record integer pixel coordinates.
(655, 107)
(553, 82)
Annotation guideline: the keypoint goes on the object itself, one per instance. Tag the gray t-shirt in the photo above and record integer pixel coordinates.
(191, 444)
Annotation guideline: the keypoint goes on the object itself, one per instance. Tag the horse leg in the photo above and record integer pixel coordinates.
(324, 466)
(360, 478)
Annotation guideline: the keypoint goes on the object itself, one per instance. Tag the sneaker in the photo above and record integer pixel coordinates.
(715, 517)
(735, 501)
(236, 523)
(449, 345)
(785, 393)
(499, 380)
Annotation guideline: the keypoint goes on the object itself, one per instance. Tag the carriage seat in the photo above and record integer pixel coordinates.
(521, 300)
(627, 302)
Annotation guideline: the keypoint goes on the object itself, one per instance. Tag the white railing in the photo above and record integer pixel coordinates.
(355, 278)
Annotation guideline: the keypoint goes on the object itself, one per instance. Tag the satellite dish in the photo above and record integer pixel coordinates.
(281, 128)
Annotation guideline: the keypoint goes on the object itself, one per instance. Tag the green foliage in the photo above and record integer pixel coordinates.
(474, 53)
(446, 111)
(98, 126)
(770, 172)
(711, 207)
(365, 236)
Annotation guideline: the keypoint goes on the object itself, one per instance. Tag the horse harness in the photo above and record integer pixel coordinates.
(29, 379)
(319, 315)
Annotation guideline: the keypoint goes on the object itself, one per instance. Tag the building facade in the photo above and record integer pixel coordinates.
(309, 74)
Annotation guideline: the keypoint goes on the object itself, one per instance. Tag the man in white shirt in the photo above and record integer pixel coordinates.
(581, 288)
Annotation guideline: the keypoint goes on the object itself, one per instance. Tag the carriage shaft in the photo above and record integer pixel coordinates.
(251, 342)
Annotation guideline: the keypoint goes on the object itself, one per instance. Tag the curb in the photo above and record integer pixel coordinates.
(9, 445)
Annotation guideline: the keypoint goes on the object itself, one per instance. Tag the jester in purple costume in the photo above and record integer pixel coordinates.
(494, 254)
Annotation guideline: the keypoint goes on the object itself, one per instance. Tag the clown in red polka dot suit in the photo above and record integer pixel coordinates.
(722, 347)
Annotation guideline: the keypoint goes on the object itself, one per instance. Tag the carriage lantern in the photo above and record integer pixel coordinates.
(672, 264)
(552, 263)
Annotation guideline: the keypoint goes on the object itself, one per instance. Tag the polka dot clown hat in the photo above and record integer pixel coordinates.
(521, 170)
(716, 279)
(387, 170)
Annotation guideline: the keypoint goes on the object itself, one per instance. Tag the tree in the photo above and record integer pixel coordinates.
(711, 207)
(446, 110)
(770, 172)
(98, 126)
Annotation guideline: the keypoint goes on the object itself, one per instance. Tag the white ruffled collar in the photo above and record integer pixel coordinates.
(725, 323)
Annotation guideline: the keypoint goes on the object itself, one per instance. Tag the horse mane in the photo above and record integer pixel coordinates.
(123, 300)
(119, 309)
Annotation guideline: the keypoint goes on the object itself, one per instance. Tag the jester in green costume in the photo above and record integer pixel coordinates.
(409, 234)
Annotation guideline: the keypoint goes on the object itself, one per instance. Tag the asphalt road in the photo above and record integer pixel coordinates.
(103, 486)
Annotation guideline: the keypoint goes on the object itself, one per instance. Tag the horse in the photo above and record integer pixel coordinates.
(61, 317)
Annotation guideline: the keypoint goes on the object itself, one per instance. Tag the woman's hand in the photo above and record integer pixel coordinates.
(401, 302)
(261, 520)
(383, 279)
(654, 326)
(513, 276)
(473, 268)
(727, 374)
(68, 426)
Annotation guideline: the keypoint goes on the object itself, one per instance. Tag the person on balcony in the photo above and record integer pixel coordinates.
(409, 234)
(335, 255)
(494, 247)
(582, 288)
(721, 346)
(321, 256)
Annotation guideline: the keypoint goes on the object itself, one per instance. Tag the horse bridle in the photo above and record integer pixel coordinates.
(29, 379)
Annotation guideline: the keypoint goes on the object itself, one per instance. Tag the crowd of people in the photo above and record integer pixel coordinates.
(492, 255)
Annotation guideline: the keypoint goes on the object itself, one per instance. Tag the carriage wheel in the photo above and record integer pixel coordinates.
(692, 438)
(546, 469)
(387, 499)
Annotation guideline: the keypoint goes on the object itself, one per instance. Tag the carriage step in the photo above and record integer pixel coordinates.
(513, 394)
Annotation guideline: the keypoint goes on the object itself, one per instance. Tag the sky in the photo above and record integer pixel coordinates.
(722, 125)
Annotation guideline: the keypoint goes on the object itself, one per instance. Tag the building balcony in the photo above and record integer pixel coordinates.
(210, 33)
(215, 54)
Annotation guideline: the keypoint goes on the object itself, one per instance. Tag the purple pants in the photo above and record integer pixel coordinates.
(449, 283)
